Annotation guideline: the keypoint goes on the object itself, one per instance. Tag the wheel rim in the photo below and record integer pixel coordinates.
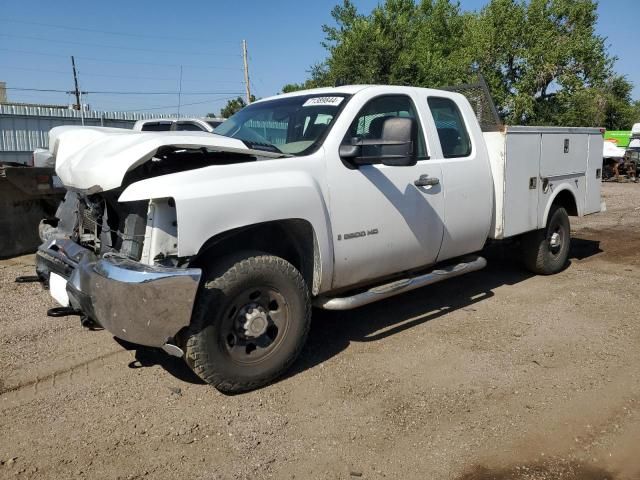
(256, 322)
(556, 238)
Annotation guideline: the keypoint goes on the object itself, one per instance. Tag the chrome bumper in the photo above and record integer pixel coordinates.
(142, 304)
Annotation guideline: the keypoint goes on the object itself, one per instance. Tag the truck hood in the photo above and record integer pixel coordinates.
(94, 159)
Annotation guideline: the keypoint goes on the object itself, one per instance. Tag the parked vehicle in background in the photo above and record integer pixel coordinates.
(27, 195)
(178, 124)
(215, 247)
(620, 138)
(634, 140)
(632, 164)
(612, 160)
(621, 154)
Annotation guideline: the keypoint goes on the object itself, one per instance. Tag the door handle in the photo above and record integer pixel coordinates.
(426, 181)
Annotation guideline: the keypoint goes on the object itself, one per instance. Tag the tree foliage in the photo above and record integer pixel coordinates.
(234, 105)
(542, 59)
(539, 54)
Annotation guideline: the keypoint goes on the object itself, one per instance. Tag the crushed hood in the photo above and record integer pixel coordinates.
(94, 159)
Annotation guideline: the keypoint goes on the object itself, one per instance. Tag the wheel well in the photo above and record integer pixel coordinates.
(292, 239)
(566, 200)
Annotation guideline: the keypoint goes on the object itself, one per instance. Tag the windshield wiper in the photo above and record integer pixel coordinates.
(265, 147)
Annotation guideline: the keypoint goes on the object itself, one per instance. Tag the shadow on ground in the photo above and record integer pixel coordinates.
(151, 357)
(540, 471)
(582, 248)
(332, 332)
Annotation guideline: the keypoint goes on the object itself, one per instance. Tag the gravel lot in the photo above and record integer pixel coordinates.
(495, 375)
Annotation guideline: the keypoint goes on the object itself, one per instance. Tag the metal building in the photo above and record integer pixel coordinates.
(24, 128)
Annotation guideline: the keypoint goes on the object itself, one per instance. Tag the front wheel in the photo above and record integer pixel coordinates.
(546, 251)
(249, 323)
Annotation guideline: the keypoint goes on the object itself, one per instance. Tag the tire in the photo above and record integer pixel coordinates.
(546, 251)
(250, 322)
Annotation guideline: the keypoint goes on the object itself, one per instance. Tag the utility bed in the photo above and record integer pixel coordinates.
(530, 164)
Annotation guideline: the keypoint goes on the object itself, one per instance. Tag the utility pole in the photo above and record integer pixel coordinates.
(77, 106)
(77, 92)
(180, 91)
(246, 70)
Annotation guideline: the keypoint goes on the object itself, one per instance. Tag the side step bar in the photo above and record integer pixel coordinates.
(400, 286)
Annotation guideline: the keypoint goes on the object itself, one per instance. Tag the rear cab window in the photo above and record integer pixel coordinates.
(452, 131)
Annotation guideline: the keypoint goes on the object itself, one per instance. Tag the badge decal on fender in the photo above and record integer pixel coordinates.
(363, 233)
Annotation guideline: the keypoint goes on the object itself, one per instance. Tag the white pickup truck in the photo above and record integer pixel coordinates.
(215, 246)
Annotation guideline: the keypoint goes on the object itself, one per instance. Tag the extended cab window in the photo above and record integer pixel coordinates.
(453, 135)
(156, 127)
(189, 127)
(294, 125)
(369, 121)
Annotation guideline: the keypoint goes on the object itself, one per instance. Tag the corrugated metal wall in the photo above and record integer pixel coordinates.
(24, 128)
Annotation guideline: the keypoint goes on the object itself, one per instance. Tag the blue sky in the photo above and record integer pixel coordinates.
(156, 37)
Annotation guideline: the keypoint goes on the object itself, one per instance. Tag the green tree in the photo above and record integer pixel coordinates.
(537, 54)
(234, 105)
(293, 87)
(400, 42)
(317, 78)
(543, 60)
(619, 111)
(635, 111)
(609, 106)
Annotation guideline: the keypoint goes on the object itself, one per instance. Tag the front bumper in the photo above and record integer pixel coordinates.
(142, 304)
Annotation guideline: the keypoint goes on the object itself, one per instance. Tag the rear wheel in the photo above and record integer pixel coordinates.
(250, 322)
(546, 251)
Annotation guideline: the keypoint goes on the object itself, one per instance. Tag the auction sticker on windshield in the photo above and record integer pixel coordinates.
(317, 101)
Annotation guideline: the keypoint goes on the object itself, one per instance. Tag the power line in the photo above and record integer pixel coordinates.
(115, 92)
(29, 52)
(128, 77)
(36, 90)
(85, 74)
(107, 32)
(12, 67)
(104, 60)
(183, 105)
(158, 93)
(67, 42)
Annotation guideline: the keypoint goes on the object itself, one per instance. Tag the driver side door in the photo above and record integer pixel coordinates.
(382, 222)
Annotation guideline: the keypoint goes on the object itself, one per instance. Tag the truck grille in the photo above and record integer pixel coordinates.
(121, 231)
(89, 221)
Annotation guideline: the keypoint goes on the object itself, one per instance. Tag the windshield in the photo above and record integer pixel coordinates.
(294, 125)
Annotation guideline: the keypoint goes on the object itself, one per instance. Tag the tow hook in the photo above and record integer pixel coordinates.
(85, 320)
(28, 279)
(62, 312)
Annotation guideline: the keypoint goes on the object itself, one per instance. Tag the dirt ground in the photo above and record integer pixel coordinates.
(495, 375)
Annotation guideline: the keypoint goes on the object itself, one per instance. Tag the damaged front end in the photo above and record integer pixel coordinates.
(116, 264)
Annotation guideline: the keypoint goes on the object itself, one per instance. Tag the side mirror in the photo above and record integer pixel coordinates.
(398, 148)
(350, 151)
(395, 147)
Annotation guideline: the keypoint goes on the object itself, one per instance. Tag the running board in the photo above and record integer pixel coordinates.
(400, 286)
